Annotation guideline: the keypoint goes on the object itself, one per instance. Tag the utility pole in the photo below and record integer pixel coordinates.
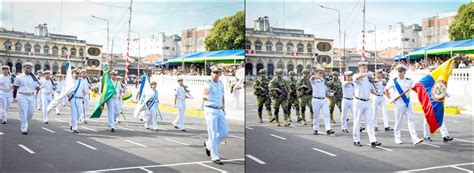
(363, 33)
(128, 41)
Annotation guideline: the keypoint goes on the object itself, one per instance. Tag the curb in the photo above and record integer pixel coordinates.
(454, 111)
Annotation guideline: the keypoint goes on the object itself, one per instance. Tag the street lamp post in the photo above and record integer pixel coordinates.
(339, 33)
(108, 48)
(375, 44)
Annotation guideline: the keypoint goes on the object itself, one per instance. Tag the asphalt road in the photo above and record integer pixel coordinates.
(296, 149)
(132, 148)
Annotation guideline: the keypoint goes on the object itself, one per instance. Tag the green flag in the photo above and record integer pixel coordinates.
(108, 90)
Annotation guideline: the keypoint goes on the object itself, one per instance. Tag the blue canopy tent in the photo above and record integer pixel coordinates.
(446, 48)
(159, 64)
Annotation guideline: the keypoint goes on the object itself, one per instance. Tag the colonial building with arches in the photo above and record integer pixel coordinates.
(47, 51)
(280, 48)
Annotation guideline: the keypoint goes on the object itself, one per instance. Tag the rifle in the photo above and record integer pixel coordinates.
(187, 91)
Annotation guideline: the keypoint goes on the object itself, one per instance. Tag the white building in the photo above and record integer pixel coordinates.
(162, 45)
(435, 29)
(392, 37)
(193, 40)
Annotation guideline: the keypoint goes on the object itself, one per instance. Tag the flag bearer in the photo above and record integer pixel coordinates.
(152, 102)
(319, 102)
(47, 91)
(214, 113)
(112, 104)
(180, 103)
(379, 100)
(88, 87)
(25, 86)
(6, 85)
(76, 99)
(403, 106)
(347, 97)
(362, 89)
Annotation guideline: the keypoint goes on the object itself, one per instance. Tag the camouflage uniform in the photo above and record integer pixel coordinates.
(304, 93)
(335, 86)
(292, 97)
(279, 91)
(263, 98)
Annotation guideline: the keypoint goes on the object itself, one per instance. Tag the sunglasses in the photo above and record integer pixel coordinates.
(28, 67)
(216, 72)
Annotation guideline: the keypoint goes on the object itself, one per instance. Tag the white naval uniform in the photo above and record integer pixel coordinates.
(347, 97)
(77, 102)
(181, 105)
(26, 99)
(217, 129)
(362, 88)
(39, 96)
(319, 103)
(379, 101)
(240, 74)
(47, 93)
(86, 100)
(152, 119)
(442, 129)
(113, 109)
(402, 110)
(59, 88)
(5, 96)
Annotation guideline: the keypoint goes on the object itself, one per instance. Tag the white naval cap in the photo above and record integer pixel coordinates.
(180, 79)
(5, 67)
(401, 67)
(83, 70)
(47, 71)
(348, 73)
(379, 71)
(363, 63)
(318, 67)
(28, 64)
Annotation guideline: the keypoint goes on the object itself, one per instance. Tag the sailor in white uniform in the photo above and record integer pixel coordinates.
(76, 99)
(24, 89)
(112, 104)
(152, 103)
(57, 92)
(319, 102)
(379, 100)
(88, 86)
(48, 88)
(347, 97)
(6, 86)
(181, 94)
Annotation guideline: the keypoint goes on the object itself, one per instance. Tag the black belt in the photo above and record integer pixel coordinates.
(214, 107)
(348, 98)
(379, 95)
(362, 99)
(319, 97)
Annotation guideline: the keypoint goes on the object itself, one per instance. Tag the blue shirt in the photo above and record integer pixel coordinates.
(216, 93)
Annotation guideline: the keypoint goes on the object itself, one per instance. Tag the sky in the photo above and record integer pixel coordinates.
(307, 15)
(148, 17)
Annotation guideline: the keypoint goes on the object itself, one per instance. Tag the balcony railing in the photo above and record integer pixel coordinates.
(21, 53)
(279, 53)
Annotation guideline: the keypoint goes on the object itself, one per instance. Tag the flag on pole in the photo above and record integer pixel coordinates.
(145, 90)
(431, 91)
(108, 90)
(66, 90)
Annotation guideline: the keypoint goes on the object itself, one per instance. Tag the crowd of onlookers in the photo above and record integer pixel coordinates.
(432, 62)
(195, 69)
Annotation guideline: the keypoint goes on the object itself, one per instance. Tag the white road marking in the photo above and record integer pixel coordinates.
(462, 140)
(47, 130)
(276, 136)
(1, 133)
(90, 129)
(237, 137)
(207, 166)
(250, 128)
(437, 167)
(27, 149)
(462, 169)
(88, 146)
(158, 166)
(161, 129)
(405, 130)
(146, 170)
(120, 127)
(424, 143)
(256, 159)
(141, 145)
(93, 120)
(191, 128)
(325, 152)
(171, 140)
(57, 119)
(383, 148)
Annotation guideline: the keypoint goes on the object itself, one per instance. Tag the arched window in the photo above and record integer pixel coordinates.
(300, 47)
(279, 47)
(73, 51)
(8, 45)
(18, 46)
(258, 45)
(81, 52)
(46, 49)
(309, 47)
(27, 47)
(37, 48)
(289, 47)
(269, 45)
(64, 51)
(248, 45)
(55, 50)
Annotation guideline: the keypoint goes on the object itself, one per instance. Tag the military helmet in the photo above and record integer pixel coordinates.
(279, 72)
(262, 71)
(305, 71)
(291, 73)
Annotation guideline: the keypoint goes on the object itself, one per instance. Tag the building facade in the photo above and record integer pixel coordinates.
(289, 49)
(435, 29)
(394, 36)
(47, 51)
(192, 40)
(161, 44)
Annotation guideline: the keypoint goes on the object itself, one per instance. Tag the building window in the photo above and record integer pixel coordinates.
(8, 45)
(37, 48)
(279, 47)
(81, 52)
(64, 51)
(55, 50)
(269, 46)
(258, 45)
(309, 47)
(27, 47)
(248, 45)
(18, 46)
(73, 51)
(300, 48)
(46, 49)
(289, 47)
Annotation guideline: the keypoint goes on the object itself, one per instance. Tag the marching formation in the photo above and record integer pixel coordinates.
(321, 92)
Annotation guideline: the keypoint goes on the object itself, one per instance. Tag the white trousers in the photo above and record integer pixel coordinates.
(362, 109)
(216, 129)
(113, 111)
(46, 99)
(76, 111)
(379, 101)
(237, 97)
(443, 130)
(85, 107)
(323, 106)
(151, 120)
(56, 95)
(402, 111)
(346, 108)
(27, 105)
(38, 100)
(179, 121)
(5, 99)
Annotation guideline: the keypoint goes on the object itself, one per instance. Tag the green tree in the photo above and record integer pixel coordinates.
(463, 25)
(227, 33)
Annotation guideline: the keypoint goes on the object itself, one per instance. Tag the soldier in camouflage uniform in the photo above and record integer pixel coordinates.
(279, 91)
(292, 97)
(335, 86)
(304, 93)
(263, 98)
